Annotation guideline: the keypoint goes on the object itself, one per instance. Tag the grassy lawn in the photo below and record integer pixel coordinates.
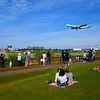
(33, 86)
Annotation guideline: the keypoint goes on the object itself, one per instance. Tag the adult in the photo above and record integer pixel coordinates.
(90, 55)
(26, 57)
(19, 58)
(2, 60)
(95, 68)
(48, 58)
(77, 59)
(57, 74)
(62, 79)
(66, 58)
(62, 55)
(93, 54)
(84, 56)
(69, 74)
(44, 58)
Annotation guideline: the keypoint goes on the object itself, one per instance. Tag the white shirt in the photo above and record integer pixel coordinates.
(62, 79)
(19, 57)
(44, 56)
(41, 60)
(84, 55)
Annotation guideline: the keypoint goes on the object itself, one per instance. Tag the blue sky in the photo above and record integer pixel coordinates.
(42, 23)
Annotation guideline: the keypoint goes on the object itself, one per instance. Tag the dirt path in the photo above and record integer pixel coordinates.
(32, 69)
(18, 71)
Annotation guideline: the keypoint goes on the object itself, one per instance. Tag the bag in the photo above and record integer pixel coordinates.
(49, 81)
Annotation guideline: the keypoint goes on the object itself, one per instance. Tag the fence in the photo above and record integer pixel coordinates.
(54, 60)
(58, 60)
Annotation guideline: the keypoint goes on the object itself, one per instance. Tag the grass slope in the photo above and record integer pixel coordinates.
(33, 86)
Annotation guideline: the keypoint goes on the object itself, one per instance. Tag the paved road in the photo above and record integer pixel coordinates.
(27, 70)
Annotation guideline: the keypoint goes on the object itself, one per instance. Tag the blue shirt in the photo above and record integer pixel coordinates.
(26, 57)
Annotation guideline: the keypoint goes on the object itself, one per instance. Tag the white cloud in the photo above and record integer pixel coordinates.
(35, 22)
(14, 8)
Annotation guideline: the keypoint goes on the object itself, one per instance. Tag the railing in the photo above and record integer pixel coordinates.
(54, 60)
(58, 60)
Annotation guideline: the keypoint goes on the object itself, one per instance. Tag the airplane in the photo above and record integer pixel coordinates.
(83, 26)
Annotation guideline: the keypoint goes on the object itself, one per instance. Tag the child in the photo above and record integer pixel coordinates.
(30, 61)
(10, 64)
(77, 59)
(41, 61)
(70, 61)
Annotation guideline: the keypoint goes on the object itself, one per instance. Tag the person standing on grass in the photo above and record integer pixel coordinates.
(70, 61)
(93, 54)
(41, 61)
(48, 58)
(19, 58)
(2, 60)
(30, 61)
(90, 55)
(62, 55)
(77, 59)
(84, 56)
(26, 57)
(10, 64)
(66, 58)
(44, 58)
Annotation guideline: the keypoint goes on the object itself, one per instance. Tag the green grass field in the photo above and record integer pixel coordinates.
(33, 86)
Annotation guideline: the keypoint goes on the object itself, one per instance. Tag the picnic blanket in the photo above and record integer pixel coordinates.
(55, 84)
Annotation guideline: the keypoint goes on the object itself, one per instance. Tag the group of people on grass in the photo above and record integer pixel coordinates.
(45, 58)
(27, 58)
(87, 56)
(63, 78)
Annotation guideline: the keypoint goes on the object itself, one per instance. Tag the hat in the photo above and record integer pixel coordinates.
(19, 54)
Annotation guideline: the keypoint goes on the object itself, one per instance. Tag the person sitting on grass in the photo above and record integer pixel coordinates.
(70, 76)
(62, 79)
(57, 74)
(95, 68)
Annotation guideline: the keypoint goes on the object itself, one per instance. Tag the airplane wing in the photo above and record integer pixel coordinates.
(83, 25)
